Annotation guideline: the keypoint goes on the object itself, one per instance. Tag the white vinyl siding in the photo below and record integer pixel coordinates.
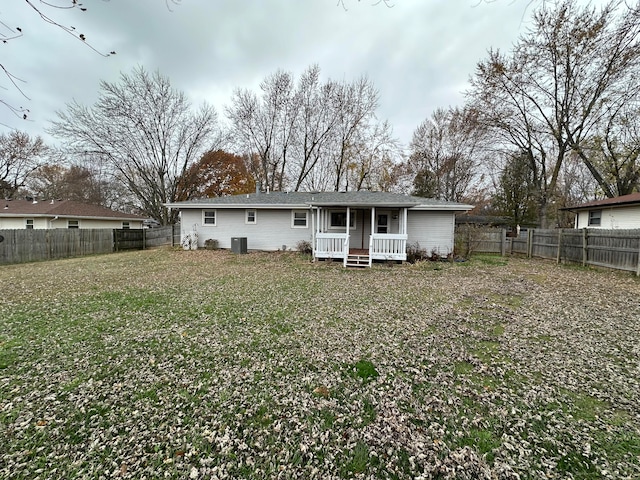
(612, 218)
(433, 231)
(275, 228)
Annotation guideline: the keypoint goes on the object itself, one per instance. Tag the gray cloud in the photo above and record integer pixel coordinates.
(419, 54)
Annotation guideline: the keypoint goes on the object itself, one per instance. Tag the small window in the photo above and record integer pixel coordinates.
(251, 217)
(73, 224)
(125, 226)
(209, 218)
(299, 219)
(339, 219)
(595, 217)
(29, 224)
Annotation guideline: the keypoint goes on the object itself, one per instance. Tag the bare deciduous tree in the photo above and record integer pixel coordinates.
(445, 153)
(146, 131)
(549, 95)
(20, 155)
(311, 136)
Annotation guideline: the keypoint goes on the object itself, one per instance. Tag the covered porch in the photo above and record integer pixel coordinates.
(359, 235)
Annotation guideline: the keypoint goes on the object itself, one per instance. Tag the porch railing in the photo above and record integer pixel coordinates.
(332, 245)
(392, 246)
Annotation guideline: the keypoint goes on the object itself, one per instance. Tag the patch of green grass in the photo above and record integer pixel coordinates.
(366, 370)
(462, 368)
(586, 407)
(482, 440)
(327, 418)
(485, 259)
(487, 351)
(368, 412)
(8, 353)
(359, 460)
(497, 330)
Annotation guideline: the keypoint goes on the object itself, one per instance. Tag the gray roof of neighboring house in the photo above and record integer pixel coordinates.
(623, 200)
(321, 199)
(61, 208)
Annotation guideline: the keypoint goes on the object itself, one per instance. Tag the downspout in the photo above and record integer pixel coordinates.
(53, 220)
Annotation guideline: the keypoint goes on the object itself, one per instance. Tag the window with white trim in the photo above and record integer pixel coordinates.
(73, 224)
(299, 219)
(209, 218)
(125, 226)
(251, 217)
(595, 217)
(338, 219)
(29, 223)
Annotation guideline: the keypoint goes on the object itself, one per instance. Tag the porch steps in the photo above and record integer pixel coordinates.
(357, 261)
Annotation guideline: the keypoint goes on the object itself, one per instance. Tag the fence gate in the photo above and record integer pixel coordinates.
(128, 239)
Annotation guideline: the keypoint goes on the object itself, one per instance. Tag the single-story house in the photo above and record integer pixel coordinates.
(610, 213)
(33, 214)
(355, 227)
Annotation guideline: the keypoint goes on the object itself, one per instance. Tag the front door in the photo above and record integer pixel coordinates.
(383, 223)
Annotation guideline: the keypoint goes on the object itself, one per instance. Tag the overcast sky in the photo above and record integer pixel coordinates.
(419, 54)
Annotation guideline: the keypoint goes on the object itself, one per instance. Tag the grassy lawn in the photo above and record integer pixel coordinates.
(173, 364)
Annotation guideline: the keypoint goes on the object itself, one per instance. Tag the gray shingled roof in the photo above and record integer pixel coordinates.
(306, 199)
(61, 208)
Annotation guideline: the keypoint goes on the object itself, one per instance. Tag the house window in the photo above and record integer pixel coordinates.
(595, 217)
(73, 224)
(251, 217)
(29, 224)
(125, 225)
(383, 223)
(209, 218)
(299, 219)
(339, 219)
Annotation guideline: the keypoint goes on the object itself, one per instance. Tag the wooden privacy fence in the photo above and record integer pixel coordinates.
(19, 246)
(617, 249)
(157, 237)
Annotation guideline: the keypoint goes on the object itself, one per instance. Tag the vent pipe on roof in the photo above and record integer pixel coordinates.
(6, 207)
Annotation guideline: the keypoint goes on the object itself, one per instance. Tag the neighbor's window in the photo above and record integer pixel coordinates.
(251, 217)
(339, 219)
(299, 219)
(595, 217)
(209, 217)
(125, 225)
(29, 224)
(73, 224)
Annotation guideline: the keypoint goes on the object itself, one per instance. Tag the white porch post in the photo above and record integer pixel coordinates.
(373, 220)
(404, 220)
(346, 242)
(313, 234)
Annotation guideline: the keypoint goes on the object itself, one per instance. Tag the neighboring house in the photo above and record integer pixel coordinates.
(27, 214)
(356, 227)
(611, 213)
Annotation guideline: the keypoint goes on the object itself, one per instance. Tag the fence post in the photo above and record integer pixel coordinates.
(503, 242)
(144, 239)
(530, 242)
(559, 256)
(638, 269)
(584, 247)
